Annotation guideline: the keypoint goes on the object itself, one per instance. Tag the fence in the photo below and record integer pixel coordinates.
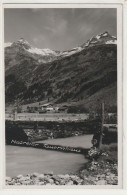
(46, 117)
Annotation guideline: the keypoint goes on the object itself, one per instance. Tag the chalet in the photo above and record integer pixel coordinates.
(49, 109)
(45, 106)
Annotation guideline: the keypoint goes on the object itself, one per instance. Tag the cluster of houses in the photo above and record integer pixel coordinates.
(45, 108)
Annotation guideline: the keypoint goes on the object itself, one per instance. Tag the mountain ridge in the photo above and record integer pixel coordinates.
(75, 78)
(47, 55)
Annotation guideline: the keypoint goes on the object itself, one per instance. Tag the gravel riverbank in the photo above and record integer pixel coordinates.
(101, 169)
(50, 179)
(95, 173)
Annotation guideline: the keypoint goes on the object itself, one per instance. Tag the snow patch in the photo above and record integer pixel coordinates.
(94, 41)
(43, 52)
(98, 36)
(105, 34)
(111, 42)
(23, 41)
(68, 53)
(87, 44)
(114, 37)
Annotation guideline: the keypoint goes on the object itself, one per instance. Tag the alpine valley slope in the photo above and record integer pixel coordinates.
(79, 77)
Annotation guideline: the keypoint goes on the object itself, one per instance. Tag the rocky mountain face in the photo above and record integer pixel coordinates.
(78, 77)
(104, 38)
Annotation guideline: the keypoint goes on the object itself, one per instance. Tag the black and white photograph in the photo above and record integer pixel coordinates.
(62, 73)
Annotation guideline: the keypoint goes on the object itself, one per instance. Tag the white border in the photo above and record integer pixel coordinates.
(65, 1)
(119, 57)
(80, 1)
(125, 96)
(59, 5)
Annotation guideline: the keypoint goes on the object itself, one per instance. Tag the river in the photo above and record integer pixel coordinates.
(83, 141)
(22, 160)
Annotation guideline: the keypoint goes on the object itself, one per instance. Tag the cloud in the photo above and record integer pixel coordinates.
(51, 29)
(35, 40)
(58, 29)
(61, 28)
(38, 39)
(85, 29)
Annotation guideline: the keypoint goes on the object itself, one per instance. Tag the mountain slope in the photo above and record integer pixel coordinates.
(81, 76)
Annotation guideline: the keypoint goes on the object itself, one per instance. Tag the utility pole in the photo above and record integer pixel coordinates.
(36, 126)
(102, 125)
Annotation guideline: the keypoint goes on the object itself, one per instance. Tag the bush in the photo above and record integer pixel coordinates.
(111, 153)
(106, 153)
(14, 132)
(77, 109)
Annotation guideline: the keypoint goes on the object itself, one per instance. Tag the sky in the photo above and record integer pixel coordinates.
(56, 28)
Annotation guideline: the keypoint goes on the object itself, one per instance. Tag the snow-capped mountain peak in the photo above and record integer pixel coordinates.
(23, 44)
(103, 38)
(44, 55)
(23, 41)
(23, 48)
